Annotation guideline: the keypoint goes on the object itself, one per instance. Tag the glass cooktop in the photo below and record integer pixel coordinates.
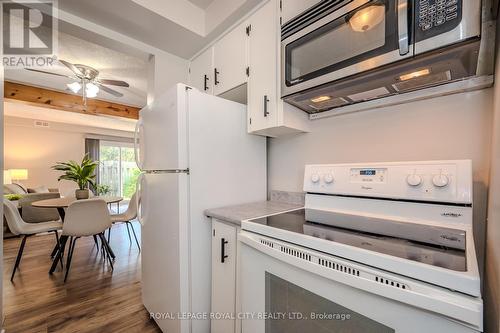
(380, 239)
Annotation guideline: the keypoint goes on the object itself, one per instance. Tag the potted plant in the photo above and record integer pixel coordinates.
(81, 173)
(103, 189)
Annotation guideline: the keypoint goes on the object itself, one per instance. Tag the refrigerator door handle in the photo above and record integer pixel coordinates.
(136, 150)
(140, 199)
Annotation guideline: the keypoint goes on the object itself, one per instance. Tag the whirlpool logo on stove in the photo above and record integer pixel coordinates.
(455, 215)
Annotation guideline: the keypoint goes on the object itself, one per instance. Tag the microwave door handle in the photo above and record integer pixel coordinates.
(403, 35)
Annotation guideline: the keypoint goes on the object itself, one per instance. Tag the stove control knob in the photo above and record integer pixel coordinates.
(328, 178)
(414, 180)
(315, 178)
(440, 180)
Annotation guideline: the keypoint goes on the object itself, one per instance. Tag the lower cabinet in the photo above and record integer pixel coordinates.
(224, 258)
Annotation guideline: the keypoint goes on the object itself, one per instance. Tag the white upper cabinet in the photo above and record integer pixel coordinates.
(230, 60)
(250, 53)
(267, 114)
(201, 72)
(292, 8)
(262, 87)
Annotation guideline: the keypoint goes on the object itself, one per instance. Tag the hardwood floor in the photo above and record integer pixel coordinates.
(94, 299)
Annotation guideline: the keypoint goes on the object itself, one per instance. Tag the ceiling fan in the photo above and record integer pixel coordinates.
(86, 79)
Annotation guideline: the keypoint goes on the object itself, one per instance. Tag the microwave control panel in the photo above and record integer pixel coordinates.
(435, 17)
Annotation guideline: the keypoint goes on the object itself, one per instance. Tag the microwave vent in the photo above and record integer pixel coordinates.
(41, 123)
(423, 81)
(370, 94)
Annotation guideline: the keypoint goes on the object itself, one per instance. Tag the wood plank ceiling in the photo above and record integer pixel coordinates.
(42, 97)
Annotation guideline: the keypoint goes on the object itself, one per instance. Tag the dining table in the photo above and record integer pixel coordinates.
(61, 204)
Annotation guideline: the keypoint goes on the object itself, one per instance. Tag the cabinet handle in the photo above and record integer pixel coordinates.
(216, 80)
(266, 100)
(205, 85)
(223, 255)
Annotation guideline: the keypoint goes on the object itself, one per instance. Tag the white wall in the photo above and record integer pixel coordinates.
(492, 269)
(450, 127)
(164, 71)
(37, 149)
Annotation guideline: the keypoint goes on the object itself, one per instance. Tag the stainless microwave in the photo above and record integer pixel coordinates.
(337, 39)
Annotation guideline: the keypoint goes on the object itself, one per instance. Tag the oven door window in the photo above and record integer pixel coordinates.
(365, 33)
(294, 309)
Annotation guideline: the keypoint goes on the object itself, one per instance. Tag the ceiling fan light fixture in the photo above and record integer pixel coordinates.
(91, 90)
(74, 87)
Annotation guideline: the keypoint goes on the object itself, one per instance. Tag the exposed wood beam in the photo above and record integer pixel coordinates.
(42, 97)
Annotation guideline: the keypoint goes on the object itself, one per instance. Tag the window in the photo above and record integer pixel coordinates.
(117, 168)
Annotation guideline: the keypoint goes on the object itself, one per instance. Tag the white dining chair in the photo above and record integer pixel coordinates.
(20, 227)
(84, 218)
(127, 217)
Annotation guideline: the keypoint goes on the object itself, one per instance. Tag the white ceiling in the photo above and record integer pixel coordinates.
(203, 4)
(179, 27)
(110, 63)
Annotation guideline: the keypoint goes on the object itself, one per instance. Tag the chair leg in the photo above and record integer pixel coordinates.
(54, 251)
(128, 231)
(58, 246)
(19, 256)
(96, 242)
(107, 250)
(103, 252)
(108, 247)
(60, 253)
(109, 234)
(72, 243)
(135, 236)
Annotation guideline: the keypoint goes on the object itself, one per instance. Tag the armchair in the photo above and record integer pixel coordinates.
(32, 214)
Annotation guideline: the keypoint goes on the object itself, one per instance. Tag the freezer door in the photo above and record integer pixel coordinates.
(161, 132)
(163, 216)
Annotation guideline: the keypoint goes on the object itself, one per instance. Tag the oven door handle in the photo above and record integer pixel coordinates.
(403, 34)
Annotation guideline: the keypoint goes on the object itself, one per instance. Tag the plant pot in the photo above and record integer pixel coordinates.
(81, 194)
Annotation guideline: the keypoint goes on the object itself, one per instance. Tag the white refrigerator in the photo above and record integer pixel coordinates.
(195, 154)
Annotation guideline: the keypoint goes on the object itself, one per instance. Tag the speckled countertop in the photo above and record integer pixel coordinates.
(238, 213)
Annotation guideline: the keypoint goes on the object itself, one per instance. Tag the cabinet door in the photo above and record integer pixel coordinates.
(201, 72)
(230, 60)
(263, 61)
(223, 276)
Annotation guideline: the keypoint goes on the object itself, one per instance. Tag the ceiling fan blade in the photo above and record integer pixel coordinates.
(44, 72)
(109, 90)
(72, 67)
(114, 82)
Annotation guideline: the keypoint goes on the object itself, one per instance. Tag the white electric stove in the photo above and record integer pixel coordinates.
(389, 244)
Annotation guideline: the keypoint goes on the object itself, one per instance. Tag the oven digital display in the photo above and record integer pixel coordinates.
(368, 172)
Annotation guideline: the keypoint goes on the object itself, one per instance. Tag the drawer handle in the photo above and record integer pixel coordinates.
(216, 79)
(266, 100)
(205, 84)
(223, 255)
